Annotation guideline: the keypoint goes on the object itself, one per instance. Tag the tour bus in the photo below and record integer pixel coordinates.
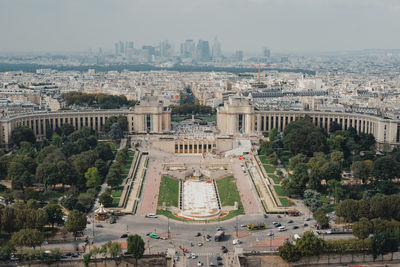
(293, 213)
(219, 236)
(260, 226)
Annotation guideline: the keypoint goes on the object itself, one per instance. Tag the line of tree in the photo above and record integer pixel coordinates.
(99, 100)
(114, 177)
(188, 109)
(311, 245)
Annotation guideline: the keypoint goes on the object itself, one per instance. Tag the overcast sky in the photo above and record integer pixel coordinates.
(249, 25)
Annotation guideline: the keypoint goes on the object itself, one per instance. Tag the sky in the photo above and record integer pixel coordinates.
(248, 25)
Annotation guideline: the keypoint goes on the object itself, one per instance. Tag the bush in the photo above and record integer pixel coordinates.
(106, 199)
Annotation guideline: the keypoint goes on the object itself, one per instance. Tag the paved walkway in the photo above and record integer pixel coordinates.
(137, 181)
(148, 203)
(245, 188)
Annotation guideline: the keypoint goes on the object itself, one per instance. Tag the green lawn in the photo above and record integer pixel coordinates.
(263, 159)
(276, 179)
(285, 202)
(179, 118)
(169, 191)
(279, 191)
(228, 192)
(115, 202)
(269, 168)
(117, 192)
(207, 118)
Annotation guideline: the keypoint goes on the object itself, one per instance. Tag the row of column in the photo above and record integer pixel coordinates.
(195, 147)
(40, 125)
(265, 123)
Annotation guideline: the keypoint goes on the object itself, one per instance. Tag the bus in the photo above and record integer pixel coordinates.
(219, 236)
(293, 213)
(260, 226)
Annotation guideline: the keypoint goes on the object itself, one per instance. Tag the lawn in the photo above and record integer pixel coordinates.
(230, 215)
(276, 179)
(207, 118)
(169, 191)
(264, 159)
(179, 118)
(117, 192)
(279, 191)
(115, 202)
(285, 202)
(228, 192)
(269, 168)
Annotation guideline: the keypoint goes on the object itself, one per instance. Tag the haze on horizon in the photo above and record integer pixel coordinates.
(249, 25)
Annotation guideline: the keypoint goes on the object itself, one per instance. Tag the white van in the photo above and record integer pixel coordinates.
(282, 228)
(151, 215)
(236, 241)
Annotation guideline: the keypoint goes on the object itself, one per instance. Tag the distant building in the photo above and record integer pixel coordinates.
(187, 49)
(216, 49)
(203, 51)
(266, 52)
(238, 55)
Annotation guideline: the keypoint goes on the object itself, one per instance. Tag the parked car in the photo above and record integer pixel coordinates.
(124, 236)
(151, 215)
(99, 225)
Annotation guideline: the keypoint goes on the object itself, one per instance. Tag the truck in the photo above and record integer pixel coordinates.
(219, 236)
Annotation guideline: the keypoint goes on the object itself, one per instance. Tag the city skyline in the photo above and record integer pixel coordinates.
(282, 26)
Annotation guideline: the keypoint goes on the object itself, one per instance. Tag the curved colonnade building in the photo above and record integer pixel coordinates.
(150, 116)
(238, 116)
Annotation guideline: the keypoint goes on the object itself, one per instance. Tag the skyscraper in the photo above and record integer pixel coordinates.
(216, 49)
(203, 51)
(266, 52)
(165, 49)
(187, 49)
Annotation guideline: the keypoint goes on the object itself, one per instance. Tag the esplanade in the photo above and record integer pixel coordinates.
(238, 116)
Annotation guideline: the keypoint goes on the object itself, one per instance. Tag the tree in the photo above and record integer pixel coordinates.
(297, 180)
(115, 132)
(76, 222)
(296, 160)
(312, 199)
(136, 247)
(54, 214)
(273, 135)
(56, 140)
(21, 170)
(22, 133)
(8, 220)
(320, 216)
(123, 123)
(27, 238)
(102, 167)
(93, 178)
(362, 170)
(310, 245)
(348, 209)
(335, 190)
(289, 252)
(302, 136)
(106, 199)
(383, 243)
(333, 171)
(385, 168)
(67, 129)
(115, 251)
(362, 228)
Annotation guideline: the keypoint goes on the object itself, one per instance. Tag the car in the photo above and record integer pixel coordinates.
(290, 221)
(164, 238)
(194, 256)
(278, 225)
(220, 263)
(270, 234)
(225, 250)
(219, 258)
(208, 239)
(243, 225)
(265, 216)
(198, 234)
(219, 228)
(212, 265)
(176, 258)
(147, 234)
(308, 219)
(274, 223)
(223, 247)
(124, 236)
(199, 244)
(73, 255)
(153, 235)
(151, 215)
(64, 257)
(328, 232)
(99, 225)
(295, 227)
(68, 254)
(236, 242)
(199, 263)
(279, 216)
(305, 224)
(282, 229)
(188, 256)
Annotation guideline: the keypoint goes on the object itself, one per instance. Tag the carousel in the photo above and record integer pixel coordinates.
(101, 214)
